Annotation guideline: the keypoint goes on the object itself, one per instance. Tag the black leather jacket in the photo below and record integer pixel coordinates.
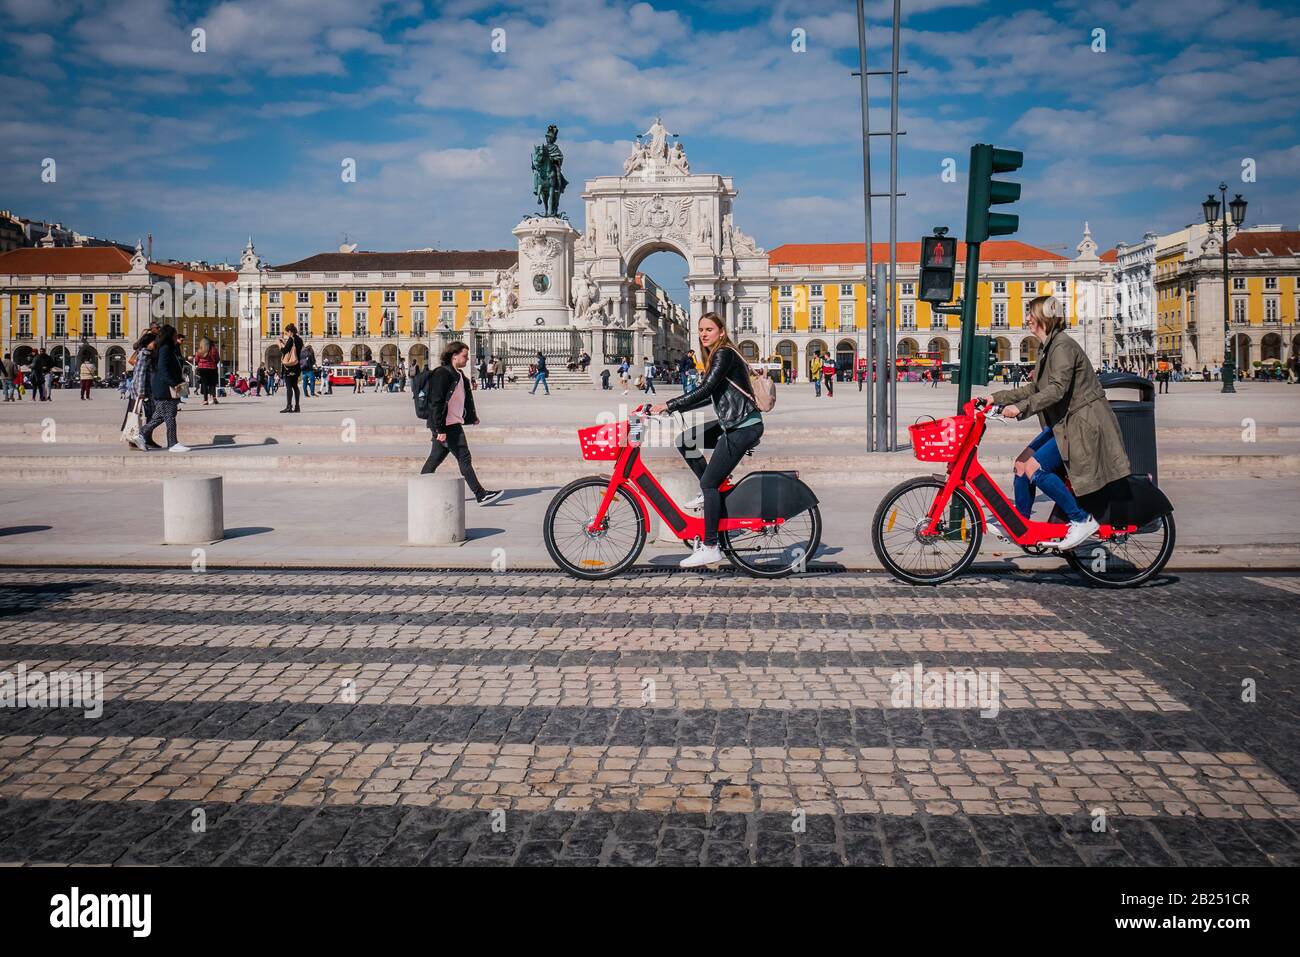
(727, 384)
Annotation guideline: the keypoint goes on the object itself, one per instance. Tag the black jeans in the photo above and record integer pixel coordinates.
(292, 397)
(728, 449)
(457, 446)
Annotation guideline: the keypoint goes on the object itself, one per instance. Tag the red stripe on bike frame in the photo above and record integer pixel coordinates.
(628, 461)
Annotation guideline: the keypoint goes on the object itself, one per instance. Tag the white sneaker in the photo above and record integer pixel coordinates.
(139, 442)
(695, 503)
(703, 555)
(179, 448)
(1078, 533)
(998, 531)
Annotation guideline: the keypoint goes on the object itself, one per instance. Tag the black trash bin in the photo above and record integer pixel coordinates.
(1137, 420)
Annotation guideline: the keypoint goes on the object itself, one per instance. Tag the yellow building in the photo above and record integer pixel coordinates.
(93, 302)
(818, 302)
(374, 306)
(1263, 299)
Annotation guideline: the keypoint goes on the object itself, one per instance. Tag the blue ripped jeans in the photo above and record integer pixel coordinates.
(1048, 478)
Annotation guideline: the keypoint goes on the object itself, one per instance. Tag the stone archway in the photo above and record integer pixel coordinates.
(749, 349)
(1241, 353)
(1029, 349)
(361, 353)
(1004, 349)
(23, 355)
(940, 346)
(332, 354)
(786, 352)
(389, 356)
(815, 347)
(419, 355)
(1271, 347)
(906, 348)
(659, 204)
(273, 358)
(846, 357)
(116, 360)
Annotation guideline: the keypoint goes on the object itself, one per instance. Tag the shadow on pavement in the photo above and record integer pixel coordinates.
(23, 529)
(245, 531)
(473, 534)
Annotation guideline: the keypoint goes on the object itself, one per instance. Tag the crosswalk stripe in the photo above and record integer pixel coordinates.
(450, 602)
(596, 686)
(47, 631)
(561, 778)
(1286, 584)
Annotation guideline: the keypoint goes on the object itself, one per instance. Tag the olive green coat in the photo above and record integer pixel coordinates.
(1068, 399)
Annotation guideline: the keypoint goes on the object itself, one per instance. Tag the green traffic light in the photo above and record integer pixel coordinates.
(984, 191)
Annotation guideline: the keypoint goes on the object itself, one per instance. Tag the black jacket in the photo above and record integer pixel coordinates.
(442, 383)
(726, 383)
(166, 372)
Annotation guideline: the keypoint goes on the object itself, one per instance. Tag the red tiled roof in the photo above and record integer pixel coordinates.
(1282, 243)
(403, 261)
(41, 261)
(1110, 256)
(816, 254)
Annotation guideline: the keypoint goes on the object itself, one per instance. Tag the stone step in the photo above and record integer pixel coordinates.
(538, 471)
(303, 433)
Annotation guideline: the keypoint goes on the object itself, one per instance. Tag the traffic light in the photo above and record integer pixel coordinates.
(938, 265)
(984, 358)
(985, 191)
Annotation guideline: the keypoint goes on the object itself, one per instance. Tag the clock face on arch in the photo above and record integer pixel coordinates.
(541, 282)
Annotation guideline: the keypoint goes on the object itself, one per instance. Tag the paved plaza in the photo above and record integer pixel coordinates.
(328, 487)
(345, 718)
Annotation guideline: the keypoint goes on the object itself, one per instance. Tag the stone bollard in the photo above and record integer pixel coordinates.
(435, 510)
(681, 486)
(192, 510)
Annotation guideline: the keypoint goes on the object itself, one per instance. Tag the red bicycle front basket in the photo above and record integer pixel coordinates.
(601, 443)
(939, 441)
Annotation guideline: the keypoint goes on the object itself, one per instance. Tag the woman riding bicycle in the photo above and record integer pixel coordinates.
(1080, 434)
(737, 430)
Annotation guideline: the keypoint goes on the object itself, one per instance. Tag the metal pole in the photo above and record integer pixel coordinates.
(970, 292)
(892, 416)
(1229, 347)
(882, 351)
(866, 205)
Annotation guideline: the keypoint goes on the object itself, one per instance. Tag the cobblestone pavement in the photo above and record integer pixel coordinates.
(362, 718)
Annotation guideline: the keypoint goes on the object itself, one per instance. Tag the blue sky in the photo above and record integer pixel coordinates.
(203, 149)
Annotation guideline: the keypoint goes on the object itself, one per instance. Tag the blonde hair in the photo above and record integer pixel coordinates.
(1046, 310)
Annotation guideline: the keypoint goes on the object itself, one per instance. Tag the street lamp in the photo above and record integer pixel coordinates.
(1237, 207)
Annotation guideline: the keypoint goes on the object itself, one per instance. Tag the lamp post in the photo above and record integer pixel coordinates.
(1212, 208)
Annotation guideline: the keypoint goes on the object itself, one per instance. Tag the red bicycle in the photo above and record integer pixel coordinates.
(595, 527)
(928, 530)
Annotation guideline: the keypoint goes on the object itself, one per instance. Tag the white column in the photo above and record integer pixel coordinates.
(192, 510)
(435, 510)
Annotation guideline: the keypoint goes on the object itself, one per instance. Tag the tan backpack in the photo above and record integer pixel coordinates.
(762, 390)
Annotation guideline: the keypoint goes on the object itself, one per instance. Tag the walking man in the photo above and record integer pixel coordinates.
(540, 377)
(650, 372)
(450, 406)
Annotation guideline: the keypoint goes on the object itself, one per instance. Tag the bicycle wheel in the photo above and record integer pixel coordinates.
(775, 551)
(1127, 560)
(586, 554)
(918, 559)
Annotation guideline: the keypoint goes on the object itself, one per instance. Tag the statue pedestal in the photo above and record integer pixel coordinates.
(545, 274)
